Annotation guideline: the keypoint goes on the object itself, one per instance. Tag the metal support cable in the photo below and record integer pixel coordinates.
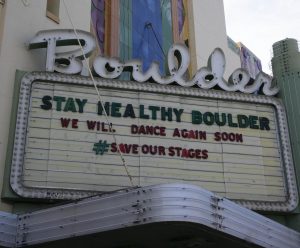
(98, 93)
(149, 25)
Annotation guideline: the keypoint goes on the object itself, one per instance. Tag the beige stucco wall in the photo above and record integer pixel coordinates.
(2, 10)
(20, 24)
(210, 32)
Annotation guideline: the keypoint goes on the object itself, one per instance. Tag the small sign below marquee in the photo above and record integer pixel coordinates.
(236, 145)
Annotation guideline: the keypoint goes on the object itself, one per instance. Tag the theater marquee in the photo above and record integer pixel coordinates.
(233, 144)
(159, 129)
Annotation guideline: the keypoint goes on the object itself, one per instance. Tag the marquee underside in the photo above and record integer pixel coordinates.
(172, 215)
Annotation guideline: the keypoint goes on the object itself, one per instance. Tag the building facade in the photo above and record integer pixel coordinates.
(286, 69)
(130, 31)
(14, 38)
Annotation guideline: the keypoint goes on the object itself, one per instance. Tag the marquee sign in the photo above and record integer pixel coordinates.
(178, 61)
(236, 145)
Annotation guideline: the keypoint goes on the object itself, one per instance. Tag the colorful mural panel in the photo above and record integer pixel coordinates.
(149, 32)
